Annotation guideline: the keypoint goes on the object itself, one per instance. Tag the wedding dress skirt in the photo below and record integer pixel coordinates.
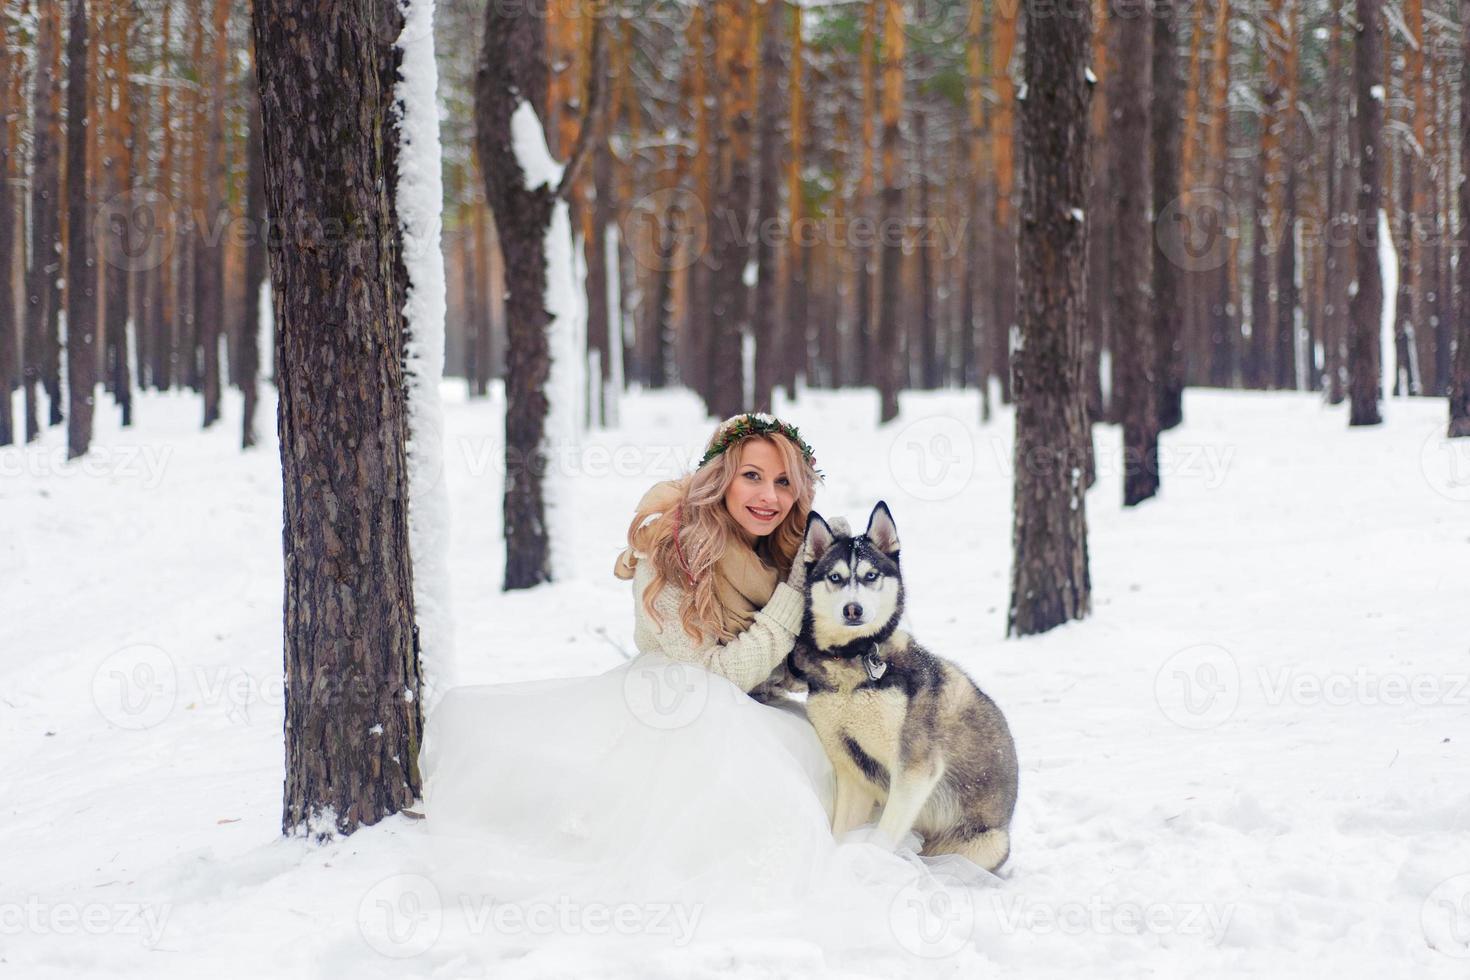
(662, 803)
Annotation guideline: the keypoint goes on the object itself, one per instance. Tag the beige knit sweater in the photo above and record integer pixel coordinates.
(746, 660)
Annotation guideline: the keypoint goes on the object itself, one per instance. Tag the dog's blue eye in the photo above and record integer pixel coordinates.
(834, 578)
(870, 576)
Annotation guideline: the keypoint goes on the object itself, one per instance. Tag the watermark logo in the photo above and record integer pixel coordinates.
(933, 458)
(136, 230)
(933, 916)
(1198, 687)
(1445, 917)
(666, 694)
(401, 916)
(1101, 917)
(1445, 464)
(1193, 230)
(33, 916)
(135, 687)
(667, 230)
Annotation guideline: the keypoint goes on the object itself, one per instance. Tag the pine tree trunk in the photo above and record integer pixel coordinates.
(81, 271)
(1168, 306)
(255, 268)
(1336, 249)
(799, 354)
(9, 321)
(353, 717)
(209, 292)
(45, 267)
(730, 314)
(1364, 384)
(1050, 582)
(1459, 425)
(598, 313)
(1003, 239)
(769, 335)
(972, 337)
(118, 166)
(1283, 354)
(161, 301)
(1135, 362)
(512, 67)
(891, 359)
(864, 339)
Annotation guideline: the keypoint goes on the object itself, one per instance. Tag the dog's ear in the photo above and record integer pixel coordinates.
(882, 532)
(819, 536)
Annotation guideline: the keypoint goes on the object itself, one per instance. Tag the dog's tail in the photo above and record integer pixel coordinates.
(989, 849)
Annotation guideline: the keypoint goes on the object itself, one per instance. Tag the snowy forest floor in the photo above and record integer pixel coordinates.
(1250, 760)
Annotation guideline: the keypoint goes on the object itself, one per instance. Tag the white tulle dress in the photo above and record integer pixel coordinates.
(662, 793)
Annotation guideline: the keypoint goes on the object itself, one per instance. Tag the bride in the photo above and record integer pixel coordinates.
(661, 785)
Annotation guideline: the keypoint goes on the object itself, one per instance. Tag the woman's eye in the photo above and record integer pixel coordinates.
(784, 482)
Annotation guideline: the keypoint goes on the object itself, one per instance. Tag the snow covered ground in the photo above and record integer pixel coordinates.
(1251, 760)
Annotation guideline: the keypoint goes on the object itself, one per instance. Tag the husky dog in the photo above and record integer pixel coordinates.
(903, 728)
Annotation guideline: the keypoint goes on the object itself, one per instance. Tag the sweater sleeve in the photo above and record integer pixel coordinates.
(746, 659)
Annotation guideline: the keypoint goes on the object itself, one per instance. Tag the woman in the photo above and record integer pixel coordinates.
(662, 780)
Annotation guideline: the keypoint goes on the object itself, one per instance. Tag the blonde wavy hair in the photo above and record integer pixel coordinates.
(706, 528)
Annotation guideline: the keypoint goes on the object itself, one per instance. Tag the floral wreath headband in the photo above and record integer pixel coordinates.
(738, 427)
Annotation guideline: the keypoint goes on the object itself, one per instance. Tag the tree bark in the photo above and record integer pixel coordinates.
(118, 170)
(512, 69)
(1365, 385)
(353, 717)
(81, 271)
(43, 299)
(8, 318)
(891, 359)
(209, 292)
(1168, 308)
(766, 321)
(730, 315)
(1050, 581)
(1459, 402)
(1135, 363)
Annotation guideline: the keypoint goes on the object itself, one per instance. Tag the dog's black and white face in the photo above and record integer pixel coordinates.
(853, 583)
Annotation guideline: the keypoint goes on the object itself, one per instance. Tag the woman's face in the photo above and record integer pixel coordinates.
(761, 495)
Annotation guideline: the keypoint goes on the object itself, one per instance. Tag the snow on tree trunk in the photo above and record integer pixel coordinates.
(1388, 274)
(612, 391)
(420, 196)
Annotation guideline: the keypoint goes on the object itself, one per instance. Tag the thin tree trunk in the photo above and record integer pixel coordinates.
(1337, 248)
(210, 288)
(118, 167)
(798, 255)
(81, 272)
(1050, 581)
(1002, 127)
(891, 358)
(45, 265)
(9, 321)
(766, 321)
(1135, 362)
(1459, 424)
(863, 338)
(1168, 308)
(1365, 387)
(732, 213)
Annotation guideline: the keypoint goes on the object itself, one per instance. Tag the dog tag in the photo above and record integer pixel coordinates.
(875, 667)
